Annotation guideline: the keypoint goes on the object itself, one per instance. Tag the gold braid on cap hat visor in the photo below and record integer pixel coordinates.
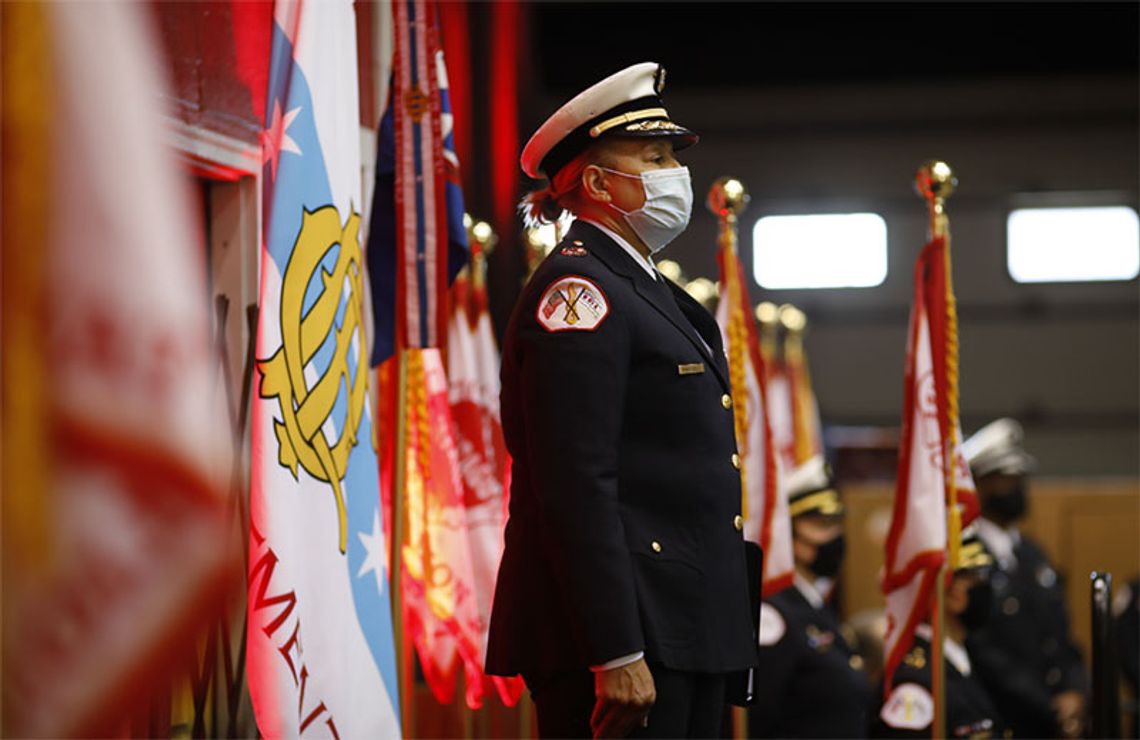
(973, 555)
(635, 115)
(824, 502)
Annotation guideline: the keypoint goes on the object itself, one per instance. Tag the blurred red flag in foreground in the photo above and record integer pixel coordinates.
(112, 520)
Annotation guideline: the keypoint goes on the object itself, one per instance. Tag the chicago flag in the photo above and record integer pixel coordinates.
(320, 650)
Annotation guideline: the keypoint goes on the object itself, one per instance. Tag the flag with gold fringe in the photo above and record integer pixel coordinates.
(932, 500)
(765, 511)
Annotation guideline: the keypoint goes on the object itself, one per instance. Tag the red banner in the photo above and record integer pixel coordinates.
(917, 540)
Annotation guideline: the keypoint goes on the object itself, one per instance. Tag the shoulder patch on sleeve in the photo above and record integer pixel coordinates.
(772, 625)
(572, 302)
(909, 707)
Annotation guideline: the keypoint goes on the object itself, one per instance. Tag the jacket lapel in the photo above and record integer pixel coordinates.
(657, 295)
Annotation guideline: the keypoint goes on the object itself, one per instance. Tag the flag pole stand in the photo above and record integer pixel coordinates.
(935, 182)
(404, 673)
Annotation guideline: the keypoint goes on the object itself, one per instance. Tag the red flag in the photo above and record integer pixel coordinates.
(484, 464)
(917, 540)
(113, 538)
(765, 510)
(437, 591)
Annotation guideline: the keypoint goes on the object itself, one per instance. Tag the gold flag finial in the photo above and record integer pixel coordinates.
(727, 196)
(768, 314)
(483, 239)
(792, 319)
(935, 182)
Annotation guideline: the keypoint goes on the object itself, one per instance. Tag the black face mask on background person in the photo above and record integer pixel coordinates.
(828, 557)
(981, 596)
(1006, 507)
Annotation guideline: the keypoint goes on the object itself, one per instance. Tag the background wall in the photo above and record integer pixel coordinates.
(835, 110)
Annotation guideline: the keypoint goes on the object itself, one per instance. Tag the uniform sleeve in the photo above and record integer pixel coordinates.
(907, 712)
(573, 386)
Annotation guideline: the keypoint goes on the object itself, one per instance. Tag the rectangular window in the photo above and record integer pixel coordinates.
(834, 250)
(1060, 245)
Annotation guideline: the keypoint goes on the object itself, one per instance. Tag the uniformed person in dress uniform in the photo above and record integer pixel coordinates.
(811, 682)
(1024, 654)
(970, 712)
(622, 596)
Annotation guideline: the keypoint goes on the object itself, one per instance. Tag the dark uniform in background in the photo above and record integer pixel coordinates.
(810, 682)
(971, 712)
(1023, 654)
(624, 532)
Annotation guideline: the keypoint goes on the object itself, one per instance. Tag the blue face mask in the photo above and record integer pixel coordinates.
(667, 208)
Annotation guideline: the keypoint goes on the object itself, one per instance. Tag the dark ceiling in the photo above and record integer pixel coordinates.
(776, 44)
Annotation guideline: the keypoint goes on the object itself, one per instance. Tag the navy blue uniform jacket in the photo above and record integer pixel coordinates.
(623, 531)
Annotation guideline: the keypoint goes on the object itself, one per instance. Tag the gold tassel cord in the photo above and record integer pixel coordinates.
(737, 344)
(954, 517)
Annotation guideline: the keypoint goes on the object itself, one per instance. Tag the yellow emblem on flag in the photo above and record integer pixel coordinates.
(306, 406)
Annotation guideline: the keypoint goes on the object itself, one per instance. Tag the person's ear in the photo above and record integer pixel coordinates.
(594, 184)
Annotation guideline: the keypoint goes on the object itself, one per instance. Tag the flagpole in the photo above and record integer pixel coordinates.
(728, 197)
(935, 183)
(400, 641)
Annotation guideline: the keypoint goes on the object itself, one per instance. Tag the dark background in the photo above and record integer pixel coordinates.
(777, 44)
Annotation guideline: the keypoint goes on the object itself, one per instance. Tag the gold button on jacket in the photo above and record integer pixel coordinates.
(736, 461)
(656, 546)
(726, 401)
(738, 522)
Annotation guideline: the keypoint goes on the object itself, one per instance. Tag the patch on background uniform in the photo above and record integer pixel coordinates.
(772, 625)
(572, 302)
(909, 707)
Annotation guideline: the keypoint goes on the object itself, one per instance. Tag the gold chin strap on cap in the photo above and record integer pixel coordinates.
(636, 115)
(825, 502)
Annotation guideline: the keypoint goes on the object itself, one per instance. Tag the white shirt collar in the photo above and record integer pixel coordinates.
(646, 263)
(1000, 542)
(951, 650)
(809, 591)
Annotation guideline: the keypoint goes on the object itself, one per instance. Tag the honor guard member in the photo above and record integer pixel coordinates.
(622, 597)
(1024, 653)
(970, 712)
(811, 682)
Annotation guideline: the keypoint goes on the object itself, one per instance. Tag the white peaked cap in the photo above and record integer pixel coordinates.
(996, 448)
(627, 103)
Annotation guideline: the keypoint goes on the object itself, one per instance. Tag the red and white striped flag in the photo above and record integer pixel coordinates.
(765, 509)
(917, 541)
